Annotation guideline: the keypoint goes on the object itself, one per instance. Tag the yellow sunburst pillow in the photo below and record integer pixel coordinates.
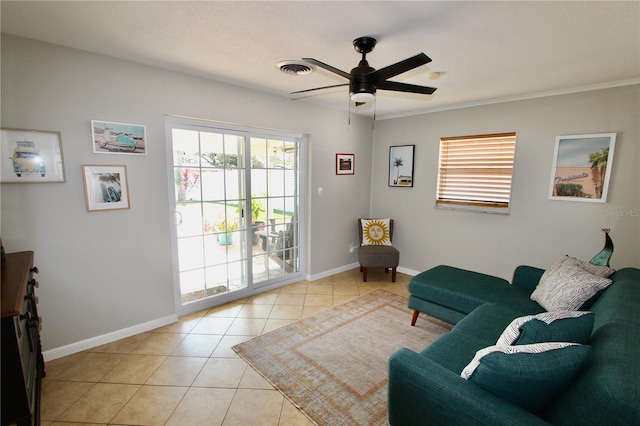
(376, 232)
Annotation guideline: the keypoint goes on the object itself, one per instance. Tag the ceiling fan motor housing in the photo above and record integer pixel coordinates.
(362, 81)
(362, 85)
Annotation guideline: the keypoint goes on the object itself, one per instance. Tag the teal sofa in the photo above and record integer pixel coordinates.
(426, 388)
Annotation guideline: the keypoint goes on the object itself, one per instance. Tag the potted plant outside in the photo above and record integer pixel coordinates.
(225, 237)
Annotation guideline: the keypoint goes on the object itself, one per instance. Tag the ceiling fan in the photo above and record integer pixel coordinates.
(365, 80)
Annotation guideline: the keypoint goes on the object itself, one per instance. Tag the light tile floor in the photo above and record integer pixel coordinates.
(187, 373)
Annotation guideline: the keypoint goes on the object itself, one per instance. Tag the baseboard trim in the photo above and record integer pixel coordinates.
(408, 271)
(330, 272)
(103, 339)
(352, 266)
(160, 322)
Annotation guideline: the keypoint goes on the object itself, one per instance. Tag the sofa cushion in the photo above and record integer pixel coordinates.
(621, 301)
(486, 322)
(560, 326)
(475, 331)
(464, 290)
(529, 376)
(606, 391)
(454, 351)
(565, 286)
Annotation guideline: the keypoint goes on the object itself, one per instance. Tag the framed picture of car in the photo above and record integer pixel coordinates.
(118, 138)
(31, 156)
(105, 187)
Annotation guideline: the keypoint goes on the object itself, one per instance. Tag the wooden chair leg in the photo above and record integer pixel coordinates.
(414, 317)
(364, 274)
(393, 275)
(360, 268)
(386, 270)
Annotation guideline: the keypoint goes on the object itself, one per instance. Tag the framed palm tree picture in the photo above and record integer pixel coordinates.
(582, 167)
(105, 187)
(401, 165)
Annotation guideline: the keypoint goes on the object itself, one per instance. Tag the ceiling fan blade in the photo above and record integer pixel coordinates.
(404, 87)
(328, 67)
(320, 88)
(400, 67)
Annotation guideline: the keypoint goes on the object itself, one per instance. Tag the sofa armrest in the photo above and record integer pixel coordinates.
(422, 392)
(527, 276)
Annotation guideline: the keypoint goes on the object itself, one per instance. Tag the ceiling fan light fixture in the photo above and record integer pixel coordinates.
(363, 97)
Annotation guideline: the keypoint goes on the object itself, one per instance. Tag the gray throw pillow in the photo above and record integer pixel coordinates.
(565, 286)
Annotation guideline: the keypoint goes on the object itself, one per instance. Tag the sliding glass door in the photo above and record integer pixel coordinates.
(236, 199)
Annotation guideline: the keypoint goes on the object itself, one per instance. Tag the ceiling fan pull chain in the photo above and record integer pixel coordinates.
(375, 109)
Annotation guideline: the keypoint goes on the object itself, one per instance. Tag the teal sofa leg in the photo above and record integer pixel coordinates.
(414, 318)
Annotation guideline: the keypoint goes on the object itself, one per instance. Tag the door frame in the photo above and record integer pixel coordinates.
(198, 124)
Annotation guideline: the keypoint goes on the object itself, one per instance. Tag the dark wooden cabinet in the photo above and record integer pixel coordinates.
(22, 364)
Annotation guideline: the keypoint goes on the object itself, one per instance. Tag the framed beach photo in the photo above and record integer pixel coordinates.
(345, 164)
(582, 167)
(105, 187)
(401, 165)
(118, 138)
(31, 156)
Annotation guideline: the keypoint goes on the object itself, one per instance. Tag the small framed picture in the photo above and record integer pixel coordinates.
(401, 165)
(118, 138)
(581, 167)
(345, 164)
(105, 187)
(31, 156)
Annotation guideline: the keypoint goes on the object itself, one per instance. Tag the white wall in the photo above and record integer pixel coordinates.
(107, 271)
(538, 230)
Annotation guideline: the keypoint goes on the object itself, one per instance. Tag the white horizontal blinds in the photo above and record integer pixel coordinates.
(476, 170)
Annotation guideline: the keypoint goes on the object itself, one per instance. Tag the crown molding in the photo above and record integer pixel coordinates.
(572, 90)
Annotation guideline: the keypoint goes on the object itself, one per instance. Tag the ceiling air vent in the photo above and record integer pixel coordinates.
(295, 67)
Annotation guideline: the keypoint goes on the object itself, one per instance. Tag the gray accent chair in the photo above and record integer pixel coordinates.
(374, 256)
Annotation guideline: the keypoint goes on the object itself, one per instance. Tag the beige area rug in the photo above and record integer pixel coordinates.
(333, 365)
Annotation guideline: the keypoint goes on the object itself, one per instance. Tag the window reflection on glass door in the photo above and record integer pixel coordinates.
(236, 203)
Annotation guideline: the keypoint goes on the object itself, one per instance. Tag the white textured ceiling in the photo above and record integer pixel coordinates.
(486, 51)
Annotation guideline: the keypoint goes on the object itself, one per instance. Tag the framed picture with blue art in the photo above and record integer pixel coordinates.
(582, 167)
(118, 138)
(401, 165)
(105, 187)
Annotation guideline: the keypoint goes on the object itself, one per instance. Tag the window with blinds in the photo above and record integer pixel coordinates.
(475, 172)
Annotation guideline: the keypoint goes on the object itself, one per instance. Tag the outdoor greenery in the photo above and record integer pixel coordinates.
(185, 179)
(256, 209)
(223, 225)
(598, 161)
(570, 190)
(221, 160)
